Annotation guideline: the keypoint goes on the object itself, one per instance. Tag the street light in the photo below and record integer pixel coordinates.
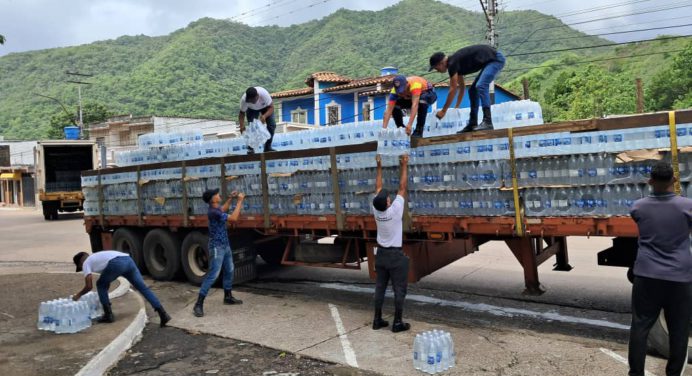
(79, 93)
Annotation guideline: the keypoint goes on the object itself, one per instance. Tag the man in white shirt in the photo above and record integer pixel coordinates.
(390, 261)
(257, 103)
(111, 265)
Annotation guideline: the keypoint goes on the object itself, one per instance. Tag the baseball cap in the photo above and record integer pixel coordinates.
(208, 194)
(380, 201)
(435, 59)
(76, 258)
(400, 83)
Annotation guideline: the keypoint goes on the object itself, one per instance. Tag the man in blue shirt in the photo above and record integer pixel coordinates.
(662, 270)
(220, 256)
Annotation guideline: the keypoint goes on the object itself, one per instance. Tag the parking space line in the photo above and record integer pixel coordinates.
(349, 354)
(621, 359)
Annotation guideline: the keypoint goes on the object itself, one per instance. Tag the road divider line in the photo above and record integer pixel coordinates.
(621, 359)
(349, 354)
(487, 308)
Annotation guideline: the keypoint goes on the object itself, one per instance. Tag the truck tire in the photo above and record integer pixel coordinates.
(194, 257)
(658, 339)
(162, 254)
(95, 240)
(50, 210)
(131, 242)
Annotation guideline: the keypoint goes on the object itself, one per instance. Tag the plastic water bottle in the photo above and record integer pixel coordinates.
(418, 352)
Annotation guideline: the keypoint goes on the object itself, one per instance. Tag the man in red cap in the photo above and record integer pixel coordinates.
(412, 93)
(390, 261)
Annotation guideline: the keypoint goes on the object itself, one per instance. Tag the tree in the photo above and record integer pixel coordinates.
(92, 112)
(670, 88)
(2, 39)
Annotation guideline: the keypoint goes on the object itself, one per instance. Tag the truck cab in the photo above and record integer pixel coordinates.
(59, 164)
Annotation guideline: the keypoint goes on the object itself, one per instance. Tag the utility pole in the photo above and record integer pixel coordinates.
(640, 96)
(490, 10)
(79, 94)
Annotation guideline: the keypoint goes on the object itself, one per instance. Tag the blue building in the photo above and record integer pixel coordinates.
(331, 99)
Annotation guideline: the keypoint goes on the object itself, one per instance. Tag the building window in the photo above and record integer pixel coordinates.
(333, 113)
(299, 116)
(366, 111)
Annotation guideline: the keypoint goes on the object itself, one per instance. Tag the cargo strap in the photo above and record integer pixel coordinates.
(518, 223)
(674, 159)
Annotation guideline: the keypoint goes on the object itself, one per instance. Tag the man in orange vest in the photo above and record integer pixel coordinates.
(415, 94)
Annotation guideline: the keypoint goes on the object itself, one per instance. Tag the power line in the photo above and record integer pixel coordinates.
(252, 12)
(594, 20)
(617, 32)
(296, 10)
(592, 61)
(597, 46)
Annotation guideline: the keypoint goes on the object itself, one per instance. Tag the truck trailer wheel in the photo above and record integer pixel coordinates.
(194, 257)
(50, 210)
(658, 338)
(131, 242)
(162, 254)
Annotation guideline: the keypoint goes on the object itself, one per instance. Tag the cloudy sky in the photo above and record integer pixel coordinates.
(37, 24)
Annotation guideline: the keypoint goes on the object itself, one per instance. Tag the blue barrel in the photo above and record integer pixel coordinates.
(72, 133)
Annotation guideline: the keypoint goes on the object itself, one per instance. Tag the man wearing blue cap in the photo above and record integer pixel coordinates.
(415, 94)
(390, 260)
(220, 256)
(467, 60)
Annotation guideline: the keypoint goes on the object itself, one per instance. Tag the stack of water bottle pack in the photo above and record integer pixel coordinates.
(433, 352)
(587, 184)
(65, 315)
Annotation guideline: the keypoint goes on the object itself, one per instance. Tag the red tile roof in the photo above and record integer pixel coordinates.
(361, 82)
(326, 77)
(293, 93)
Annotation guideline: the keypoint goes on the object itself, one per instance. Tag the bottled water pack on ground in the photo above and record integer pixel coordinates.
(433, 352)
(65, 315)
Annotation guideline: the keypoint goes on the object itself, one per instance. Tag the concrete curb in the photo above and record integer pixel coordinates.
(111, 354)
(122, 289)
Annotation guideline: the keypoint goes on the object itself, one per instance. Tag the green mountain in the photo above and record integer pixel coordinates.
(201, 70)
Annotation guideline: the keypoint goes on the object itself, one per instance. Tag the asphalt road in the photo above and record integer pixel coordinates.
(491, 279)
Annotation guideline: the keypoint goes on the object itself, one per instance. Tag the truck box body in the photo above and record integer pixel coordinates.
(59, 164)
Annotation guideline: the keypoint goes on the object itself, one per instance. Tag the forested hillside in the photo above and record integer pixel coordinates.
(202, 70)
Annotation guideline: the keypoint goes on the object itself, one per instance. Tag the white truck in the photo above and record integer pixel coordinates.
(59, 165)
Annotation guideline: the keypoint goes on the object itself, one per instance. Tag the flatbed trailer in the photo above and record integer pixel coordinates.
(169, 244)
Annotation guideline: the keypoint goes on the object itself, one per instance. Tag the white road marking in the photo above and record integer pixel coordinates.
(621, 359)
(488, 308)
(345, 343)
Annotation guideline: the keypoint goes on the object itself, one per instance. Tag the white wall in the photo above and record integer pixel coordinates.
(21, 152)
(210, 128)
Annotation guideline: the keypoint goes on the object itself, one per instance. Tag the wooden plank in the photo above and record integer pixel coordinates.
(336, 190)
(185, 201)
(224, 183)
(140, 205)
(265, 190)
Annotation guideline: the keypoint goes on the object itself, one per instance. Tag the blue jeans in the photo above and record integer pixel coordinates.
(124, 266)
(219, 258)
(481, 85)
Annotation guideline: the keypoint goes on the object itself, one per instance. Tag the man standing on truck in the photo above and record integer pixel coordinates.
(465, 61)
(111, 265)
(256, 103)
(220, 255)
(390, 261)
(415, 94)
(662, 270)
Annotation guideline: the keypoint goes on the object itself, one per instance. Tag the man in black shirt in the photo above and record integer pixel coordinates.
(468, 60)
